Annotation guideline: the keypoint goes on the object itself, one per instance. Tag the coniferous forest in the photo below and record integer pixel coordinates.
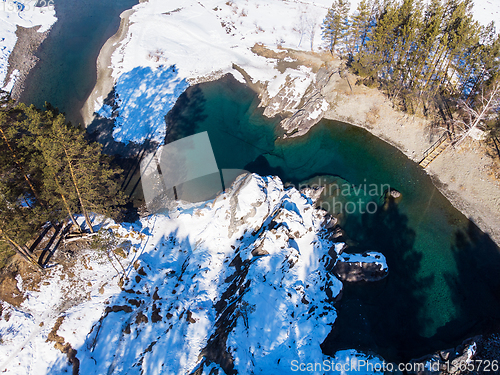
(49, 173)
(429, 56)
(426, 56)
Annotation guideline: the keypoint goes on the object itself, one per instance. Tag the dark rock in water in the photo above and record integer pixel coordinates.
(354, 272)
(330, 222)
(359, 269)
(394, 193)
(336, 234)
(477, 355)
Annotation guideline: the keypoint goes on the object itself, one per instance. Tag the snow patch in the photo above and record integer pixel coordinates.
(13, 14)
(144, 96)
(248, 267)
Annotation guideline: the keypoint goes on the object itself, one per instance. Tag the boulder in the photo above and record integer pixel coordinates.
(360, 267)
(392, 193)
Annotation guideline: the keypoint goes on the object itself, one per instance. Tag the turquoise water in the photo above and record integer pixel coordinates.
(66, 72)
(438, 259)
(442, 286)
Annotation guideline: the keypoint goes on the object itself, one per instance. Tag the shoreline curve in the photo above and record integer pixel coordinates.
(460, 176)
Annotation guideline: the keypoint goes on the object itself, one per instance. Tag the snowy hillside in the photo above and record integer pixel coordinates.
(205, 40)
(235, 284)
(486, 11)
(12, 15)
(202, 38)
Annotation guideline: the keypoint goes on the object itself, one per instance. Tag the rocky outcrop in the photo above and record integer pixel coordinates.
(212, 284)
(254, 260)
(311, 109)
(369, 266)
(477, 355)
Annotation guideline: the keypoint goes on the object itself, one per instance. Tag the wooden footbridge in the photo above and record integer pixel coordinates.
(436, 149)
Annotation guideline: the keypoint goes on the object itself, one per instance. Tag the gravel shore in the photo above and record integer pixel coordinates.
(105, 81)
(23, 57)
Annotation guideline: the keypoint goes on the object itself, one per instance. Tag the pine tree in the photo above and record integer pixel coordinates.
(77, 171)
(382, 42)
(442, 53)
(335, 23)
(18, 225)
(407, 32)
(48, 172)
(22, 210)
(487, 104)
(21, 214)
(423, 57)
(360, 25)
(457, 30)
(483, 62)
(18, 154)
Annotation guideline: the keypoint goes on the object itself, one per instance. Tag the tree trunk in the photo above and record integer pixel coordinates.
(22, 252)
(66, 203)
(429, 75)
(491, 102)
(73, 177)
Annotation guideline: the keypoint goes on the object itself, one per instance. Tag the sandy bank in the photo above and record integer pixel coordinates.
(105, 81)
(463, 174)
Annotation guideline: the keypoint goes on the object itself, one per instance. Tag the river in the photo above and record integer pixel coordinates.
(442, 286)
(66, 73)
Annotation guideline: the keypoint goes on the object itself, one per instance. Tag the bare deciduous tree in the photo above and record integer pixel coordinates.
(489, 103)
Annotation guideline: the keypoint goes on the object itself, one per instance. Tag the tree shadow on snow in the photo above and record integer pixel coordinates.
(187, 112)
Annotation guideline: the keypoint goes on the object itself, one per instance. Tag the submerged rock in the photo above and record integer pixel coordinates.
(393, 194)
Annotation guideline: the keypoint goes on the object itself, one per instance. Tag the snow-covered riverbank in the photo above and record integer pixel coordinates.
(15, 17)
(205, 41)
(238, 283)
